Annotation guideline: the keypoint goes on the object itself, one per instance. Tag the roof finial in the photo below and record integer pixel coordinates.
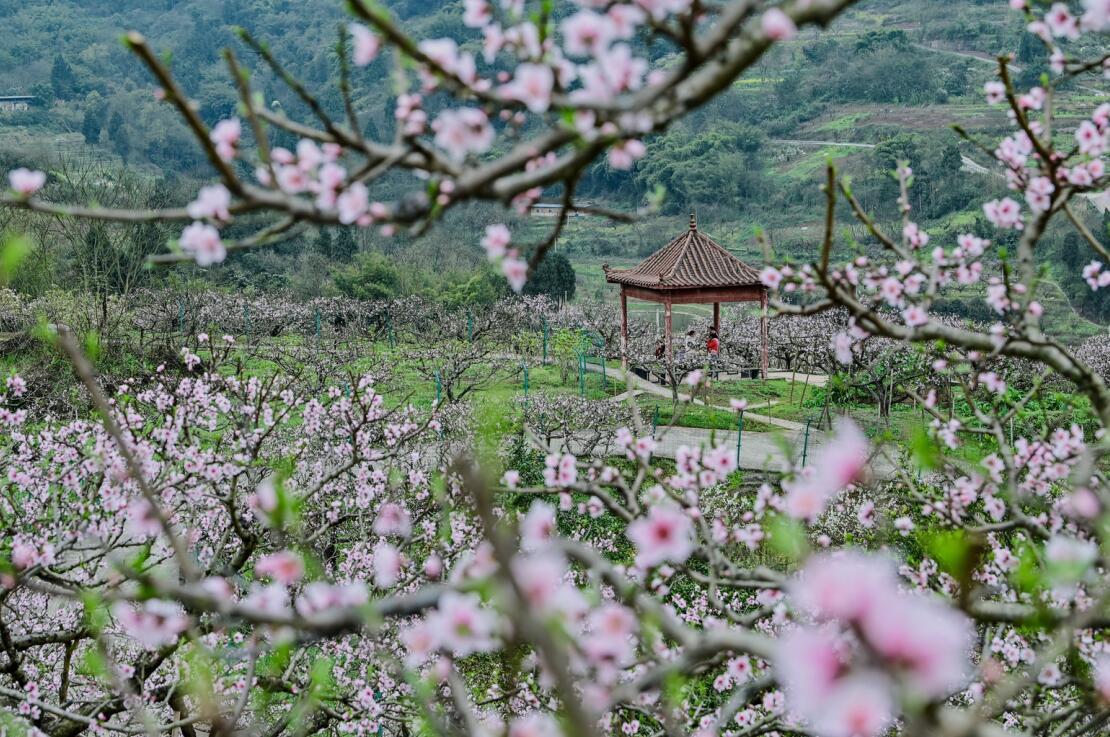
(693, 219)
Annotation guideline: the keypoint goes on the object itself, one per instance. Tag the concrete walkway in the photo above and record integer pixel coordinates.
(759, 451)
(799, 378)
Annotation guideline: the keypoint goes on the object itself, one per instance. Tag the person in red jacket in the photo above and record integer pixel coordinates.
(713, 345)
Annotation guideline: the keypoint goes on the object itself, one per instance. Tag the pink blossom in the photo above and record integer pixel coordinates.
(926, 641)
(141, 519)
(625, 19)
(537, 526)
(721, 460)
(387, 565)
(560, 471)
(847, 586)
(1070, 555)
(739, 669)
(842, 348)
(666, 534)
(461, 625)
(212, 202)
(624, 154)
(393, 519)
(293, 179)
(309, 155)
(284, 567)
(808, 661)
(860, 706)
(1091, 141)
(496, 241)
(366, 44)
(616, 71)
(915, 316)
(419, 641)
(226, 136)
(26, 182)
(476, 13)
(658, 9)
(1039, 193)
(840, 462)
(532, 85)
(444, 53)
(1096, 16)
(770, 277)
(915, 236)
(865, 515)
(587, 34)
(16, 385)
(433, 566)
(1102, 677)
(203, 243)
(462, 131)
(535, 724)
(153, 624)
(516, 272)
(1061, 22)
(26, 553)
(995, 92)
(777, 25)
(320, 596)
(353, 203)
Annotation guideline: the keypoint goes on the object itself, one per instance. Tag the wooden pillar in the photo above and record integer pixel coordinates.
(763, 336)
(667, 329)
(624, 330)
(717, 318)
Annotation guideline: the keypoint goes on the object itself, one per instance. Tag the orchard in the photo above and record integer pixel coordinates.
(236, 514)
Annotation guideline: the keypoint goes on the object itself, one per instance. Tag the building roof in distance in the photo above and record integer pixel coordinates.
(690, 261)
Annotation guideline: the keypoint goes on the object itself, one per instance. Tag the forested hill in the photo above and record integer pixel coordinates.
(884, 84)
(67, 54)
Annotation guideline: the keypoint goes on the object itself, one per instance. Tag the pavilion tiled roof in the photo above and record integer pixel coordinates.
(692, 260)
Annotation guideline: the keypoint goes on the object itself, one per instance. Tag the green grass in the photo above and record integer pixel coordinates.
(843, 123)
(695, 416)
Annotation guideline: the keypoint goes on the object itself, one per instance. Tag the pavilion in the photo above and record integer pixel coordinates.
(691, 269)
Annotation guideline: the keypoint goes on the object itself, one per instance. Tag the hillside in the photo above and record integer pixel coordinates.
(884, 84)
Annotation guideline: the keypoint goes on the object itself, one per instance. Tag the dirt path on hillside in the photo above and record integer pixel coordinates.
(792, 142)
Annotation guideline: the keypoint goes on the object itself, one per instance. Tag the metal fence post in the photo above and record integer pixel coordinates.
(604, 376)
(525, 365)
(545, 333)
(655, 420)
(805, 444)
(739, 436)
(439, 388)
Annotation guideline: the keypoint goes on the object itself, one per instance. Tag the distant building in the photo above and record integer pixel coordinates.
(15, 103)
(554, 209)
